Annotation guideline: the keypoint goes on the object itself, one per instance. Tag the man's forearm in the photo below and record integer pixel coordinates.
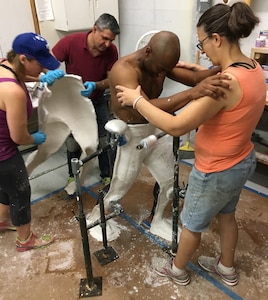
(102, 85)
(174, 102)
(191, 78)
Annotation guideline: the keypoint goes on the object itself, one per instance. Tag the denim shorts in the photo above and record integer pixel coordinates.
(209, 194)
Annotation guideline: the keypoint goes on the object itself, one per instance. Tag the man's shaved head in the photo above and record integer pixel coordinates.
(165, 47)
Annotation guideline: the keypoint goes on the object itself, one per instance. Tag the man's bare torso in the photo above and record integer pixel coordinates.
(128, 72)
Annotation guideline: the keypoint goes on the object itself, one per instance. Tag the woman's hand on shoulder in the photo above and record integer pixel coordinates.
(127, 96)
(214, 86)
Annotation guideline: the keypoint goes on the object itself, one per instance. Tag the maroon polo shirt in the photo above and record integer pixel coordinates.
(72, 49)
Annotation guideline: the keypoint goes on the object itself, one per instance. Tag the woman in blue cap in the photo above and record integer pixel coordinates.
(29, 56)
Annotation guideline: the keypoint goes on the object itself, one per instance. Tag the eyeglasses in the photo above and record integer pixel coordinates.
(200, 44)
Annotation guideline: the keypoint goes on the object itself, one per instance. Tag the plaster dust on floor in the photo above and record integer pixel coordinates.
(55, 272)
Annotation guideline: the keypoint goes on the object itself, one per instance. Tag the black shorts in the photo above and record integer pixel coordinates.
(15, 189)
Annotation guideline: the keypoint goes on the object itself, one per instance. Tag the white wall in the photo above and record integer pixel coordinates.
(139, 16)
(13, 22)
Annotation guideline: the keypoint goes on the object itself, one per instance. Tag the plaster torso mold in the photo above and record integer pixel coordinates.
(61, 111)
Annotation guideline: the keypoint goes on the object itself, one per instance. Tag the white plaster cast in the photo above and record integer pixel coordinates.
(63, 110)
(159, 160)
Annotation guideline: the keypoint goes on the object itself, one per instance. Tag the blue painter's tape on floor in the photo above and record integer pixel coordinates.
(216, 283)
(193, 267)
(46, 196)
(144, 231)
(255, 191)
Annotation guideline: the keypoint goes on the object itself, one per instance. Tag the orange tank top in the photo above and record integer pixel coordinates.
(225, 140)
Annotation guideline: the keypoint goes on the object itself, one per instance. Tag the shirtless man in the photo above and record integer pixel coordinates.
(149, 67)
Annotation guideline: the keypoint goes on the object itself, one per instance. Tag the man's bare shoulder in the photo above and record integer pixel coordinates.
(126, 63)
(125, 72)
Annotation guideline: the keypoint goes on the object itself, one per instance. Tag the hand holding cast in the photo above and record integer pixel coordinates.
(39, 137)
(51, 76)
(90, 87)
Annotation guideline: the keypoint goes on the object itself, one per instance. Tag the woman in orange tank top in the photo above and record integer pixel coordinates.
(224, 153)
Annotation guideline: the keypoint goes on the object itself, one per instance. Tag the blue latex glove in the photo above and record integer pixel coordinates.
(51, 75)
(39, 137)
(90, 87)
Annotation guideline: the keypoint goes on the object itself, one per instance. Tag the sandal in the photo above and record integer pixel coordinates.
(7, 225)
(33, 242)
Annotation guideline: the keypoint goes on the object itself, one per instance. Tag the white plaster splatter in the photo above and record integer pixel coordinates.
(113, 231)
(62, 258)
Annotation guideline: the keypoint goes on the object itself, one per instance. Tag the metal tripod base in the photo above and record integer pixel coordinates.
(169, 251)
(105, 256)
(172, 251)
(87, 291)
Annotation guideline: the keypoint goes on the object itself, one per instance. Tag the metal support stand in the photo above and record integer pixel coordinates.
(107, 254)
(89, 286)
(176, 196)
(92, 286)
(177, 192)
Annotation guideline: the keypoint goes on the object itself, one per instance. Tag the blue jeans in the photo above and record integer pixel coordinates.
(102, 114)
(101, 108)
(209, 194)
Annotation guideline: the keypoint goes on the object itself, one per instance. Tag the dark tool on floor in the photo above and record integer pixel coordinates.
(92, 286)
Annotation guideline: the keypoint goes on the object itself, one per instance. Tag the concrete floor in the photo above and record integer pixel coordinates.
(55, 273)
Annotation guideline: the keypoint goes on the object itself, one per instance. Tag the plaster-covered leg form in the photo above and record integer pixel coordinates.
(128, 163)
(127, 166)
(160, 163)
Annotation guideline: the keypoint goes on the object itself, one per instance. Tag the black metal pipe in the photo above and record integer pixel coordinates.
(76, 164)
(176, 192)
(107, 217)
(91, 286)
(96, 153)
(102, 219)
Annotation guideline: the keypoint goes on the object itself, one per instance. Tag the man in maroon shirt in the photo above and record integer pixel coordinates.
(91, 55)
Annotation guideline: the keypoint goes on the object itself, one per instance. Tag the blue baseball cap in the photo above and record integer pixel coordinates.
(35, 46)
